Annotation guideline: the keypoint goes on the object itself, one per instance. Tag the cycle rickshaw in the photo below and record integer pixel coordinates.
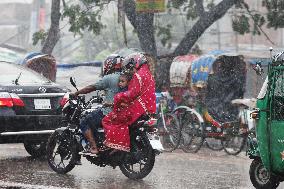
(216, 79)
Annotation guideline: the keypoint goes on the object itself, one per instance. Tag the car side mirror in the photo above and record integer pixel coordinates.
(258, 68)
(73, 82)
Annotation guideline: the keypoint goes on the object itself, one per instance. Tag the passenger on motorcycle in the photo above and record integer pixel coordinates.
(138, 100)
(109, 83)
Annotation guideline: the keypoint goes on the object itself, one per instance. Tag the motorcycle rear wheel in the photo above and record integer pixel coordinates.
(62, 152)
(144, 166)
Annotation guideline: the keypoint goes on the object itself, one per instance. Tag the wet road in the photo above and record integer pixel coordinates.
(206, 169)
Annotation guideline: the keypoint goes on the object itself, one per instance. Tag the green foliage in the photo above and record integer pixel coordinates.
(165, 34)
(258, 22)
(275, 16)
(39, 36)
(241, 24)
(191, 10)
(210, 4)
(177, 3)
(81, 20)
(248, 21)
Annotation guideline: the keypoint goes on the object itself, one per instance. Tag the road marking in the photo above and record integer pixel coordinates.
(27, 186)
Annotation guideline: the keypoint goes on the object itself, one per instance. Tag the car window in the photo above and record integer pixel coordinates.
(263, 89)
(10, 72)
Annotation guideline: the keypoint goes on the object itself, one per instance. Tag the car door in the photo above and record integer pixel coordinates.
(276, 120)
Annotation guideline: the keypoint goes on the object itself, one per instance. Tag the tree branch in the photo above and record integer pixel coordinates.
(258, 26)
(143, 24)
(64, 3)
(130, 12)
(199, 7)
(202, 24)
(220, 10)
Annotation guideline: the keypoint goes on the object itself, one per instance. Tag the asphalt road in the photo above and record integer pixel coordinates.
(203, 170)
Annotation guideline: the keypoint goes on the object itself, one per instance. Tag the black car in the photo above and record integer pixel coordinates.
(30, 107)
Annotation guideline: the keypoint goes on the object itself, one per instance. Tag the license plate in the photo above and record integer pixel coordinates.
(42, 104)
(155, 142)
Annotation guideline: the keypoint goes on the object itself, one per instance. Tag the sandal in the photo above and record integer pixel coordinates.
(90, 152)
(94, 150)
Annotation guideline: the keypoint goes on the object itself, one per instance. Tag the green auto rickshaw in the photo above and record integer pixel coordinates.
(267, 148)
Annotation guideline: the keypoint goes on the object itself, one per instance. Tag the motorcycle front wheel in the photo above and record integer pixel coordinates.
(138, 164)
(62, 152)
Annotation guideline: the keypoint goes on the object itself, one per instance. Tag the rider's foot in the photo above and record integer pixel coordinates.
(90, 152)
(94, 150)
(104, 148)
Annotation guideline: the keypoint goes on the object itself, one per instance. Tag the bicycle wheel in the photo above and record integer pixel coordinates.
(235, 138)
(192, 133)
(169, 132)
(214, 144)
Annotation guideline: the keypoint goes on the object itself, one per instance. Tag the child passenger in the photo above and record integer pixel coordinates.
(123, 86)
(123, 82)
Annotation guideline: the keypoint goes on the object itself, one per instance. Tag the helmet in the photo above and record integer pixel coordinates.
(112, 63)
(133, 60)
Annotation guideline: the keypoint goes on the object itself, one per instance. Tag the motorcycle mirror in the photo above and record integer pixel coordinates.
(73, 82)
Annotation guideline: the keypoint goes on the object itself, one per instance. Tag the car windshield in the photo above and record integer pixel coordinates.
(10, 72)
(263, 89)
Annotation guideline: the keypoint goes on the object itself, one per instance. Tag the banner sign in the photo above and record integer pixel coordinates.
(148, 6)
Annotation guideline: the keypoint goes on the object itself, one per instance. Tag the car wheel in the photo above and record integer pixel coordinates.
(35, 148)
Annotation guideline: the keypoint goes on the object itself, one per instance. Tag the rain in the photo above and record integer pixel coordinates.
(202, 107)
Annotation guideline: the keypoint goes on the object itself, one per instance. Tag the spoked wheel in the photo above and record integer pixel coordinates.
(138, 164)
(169, 131)
(62, 152)
(260, 177)
(214, 144)
(192, 133)
(234, 139)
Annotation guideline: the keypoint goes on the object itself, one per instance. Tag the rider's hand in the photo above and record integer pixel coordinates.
(123, 105)
(108, 104)
(73, 95)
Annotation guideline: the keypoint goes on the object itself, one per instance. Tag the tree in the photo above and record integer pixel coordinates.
(86, 15)
(49, 40)
(53, 33)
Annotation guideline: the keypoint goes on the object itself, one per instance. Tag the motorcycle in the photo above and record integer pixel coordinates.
(66, 143)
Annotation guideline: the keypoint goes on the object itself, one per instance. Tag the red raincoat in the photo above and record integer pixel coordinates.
(139, 98)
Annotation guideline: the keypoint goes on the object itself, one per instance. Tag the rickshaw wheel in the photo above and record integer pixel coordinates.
(192, 131)
(260, 177)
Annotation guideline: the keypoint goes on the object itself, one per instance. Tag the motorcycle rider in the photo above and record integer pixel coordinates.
(109, 83)
(138, 100)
